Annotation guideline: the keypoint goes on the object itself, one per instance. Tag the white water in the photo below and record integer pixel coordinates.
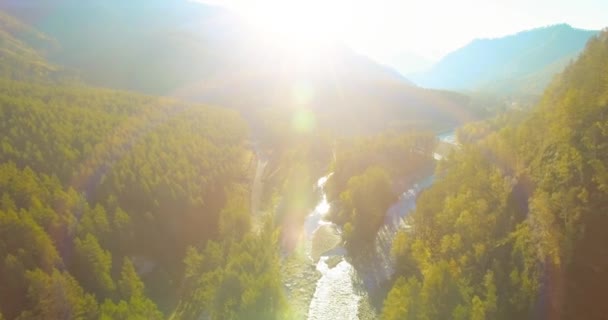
(315, 219)
(449, 137)
(396, 219)
(335, 297)
(446, 137)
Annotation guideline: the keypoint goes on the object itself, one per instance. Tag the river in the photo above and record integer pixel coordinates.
(335, 296)
(257, 187)
(338, 292)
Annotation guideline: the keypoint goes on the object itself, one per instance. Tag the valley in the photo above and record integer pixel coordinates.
(175, 160)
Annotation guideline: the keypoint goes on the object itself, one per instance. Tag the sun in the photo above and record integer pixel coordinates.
(304, 26)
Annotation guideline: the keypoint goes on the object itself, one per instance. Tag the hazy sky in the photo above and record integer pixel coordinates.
(427, 28)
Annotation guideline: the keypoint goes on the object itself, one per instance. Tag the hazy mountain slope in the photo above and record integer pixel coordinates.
(139, 45)
(515, 225)
(20, 51)
(207, 54)
(87, 176)
(519, 63)
(347, 92)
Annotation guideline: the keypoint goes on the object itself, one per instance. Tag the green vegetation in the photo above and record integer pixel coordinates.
(236, 279)
(118, 205)
(367, 175)
(207, 54)
(22, 54)
(363, 205)
(517, 217)
(38, 224)
(104, 191)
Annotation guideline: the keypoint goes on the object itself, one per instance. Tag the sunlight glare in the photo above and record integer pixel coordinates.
(303, 93)
(303, 120)
(304, 27)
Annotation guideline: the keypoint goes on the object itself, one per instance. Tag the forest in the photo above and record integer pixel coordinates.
(514, 226)
(105, 193)
(368, 174)
(117, 204)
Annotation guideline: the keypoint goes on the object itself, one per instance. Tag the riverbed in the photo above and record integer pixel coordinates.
(335, 295)
(341, 290)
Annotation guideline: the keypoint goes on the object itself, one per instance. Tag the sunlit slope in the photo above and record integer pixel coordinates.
(209, 54)
(344, 90)
(138, 45)
(515, 226)
(22, 51)
(521, 63)
(96, 181)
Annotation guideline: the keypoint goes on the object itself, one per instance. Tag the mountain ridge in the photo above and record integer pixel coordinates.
(499, 64)
(206, 54)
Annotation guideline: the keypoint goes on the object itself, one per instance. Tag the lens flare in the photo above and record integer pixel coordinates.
(303, 121)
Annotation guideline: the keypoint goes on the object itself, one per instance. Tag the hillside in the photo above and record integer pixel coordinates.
(522, 63)
(514, 226)
(165, 159)
(206, 54)
(105, 193)
(22, 51)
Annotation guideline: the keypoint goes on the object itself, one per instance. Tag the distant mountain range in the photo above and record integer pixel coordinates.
(522, 63)
(207, 54)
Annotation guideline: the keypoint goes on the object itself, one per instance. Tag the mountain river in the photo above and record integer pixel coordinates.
(337, 295)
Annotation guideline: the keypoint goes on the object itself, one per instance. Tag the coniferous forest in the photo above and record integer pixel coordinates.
(119, 204)
(109, 198)
(514, 226)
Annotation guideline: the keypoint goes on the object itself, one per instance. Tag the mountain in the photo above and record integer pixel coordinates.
(118, 205)
(208, 54)
(106, 192)
(21, 52)
(138, 45)
(521, 63)
(515, 225)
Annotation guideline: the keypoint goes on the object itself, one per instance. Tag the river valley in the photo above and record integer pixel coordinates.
(341, 292)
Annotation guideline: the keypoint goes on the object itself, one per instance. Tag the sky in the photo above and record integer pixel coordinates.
(429, 29)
